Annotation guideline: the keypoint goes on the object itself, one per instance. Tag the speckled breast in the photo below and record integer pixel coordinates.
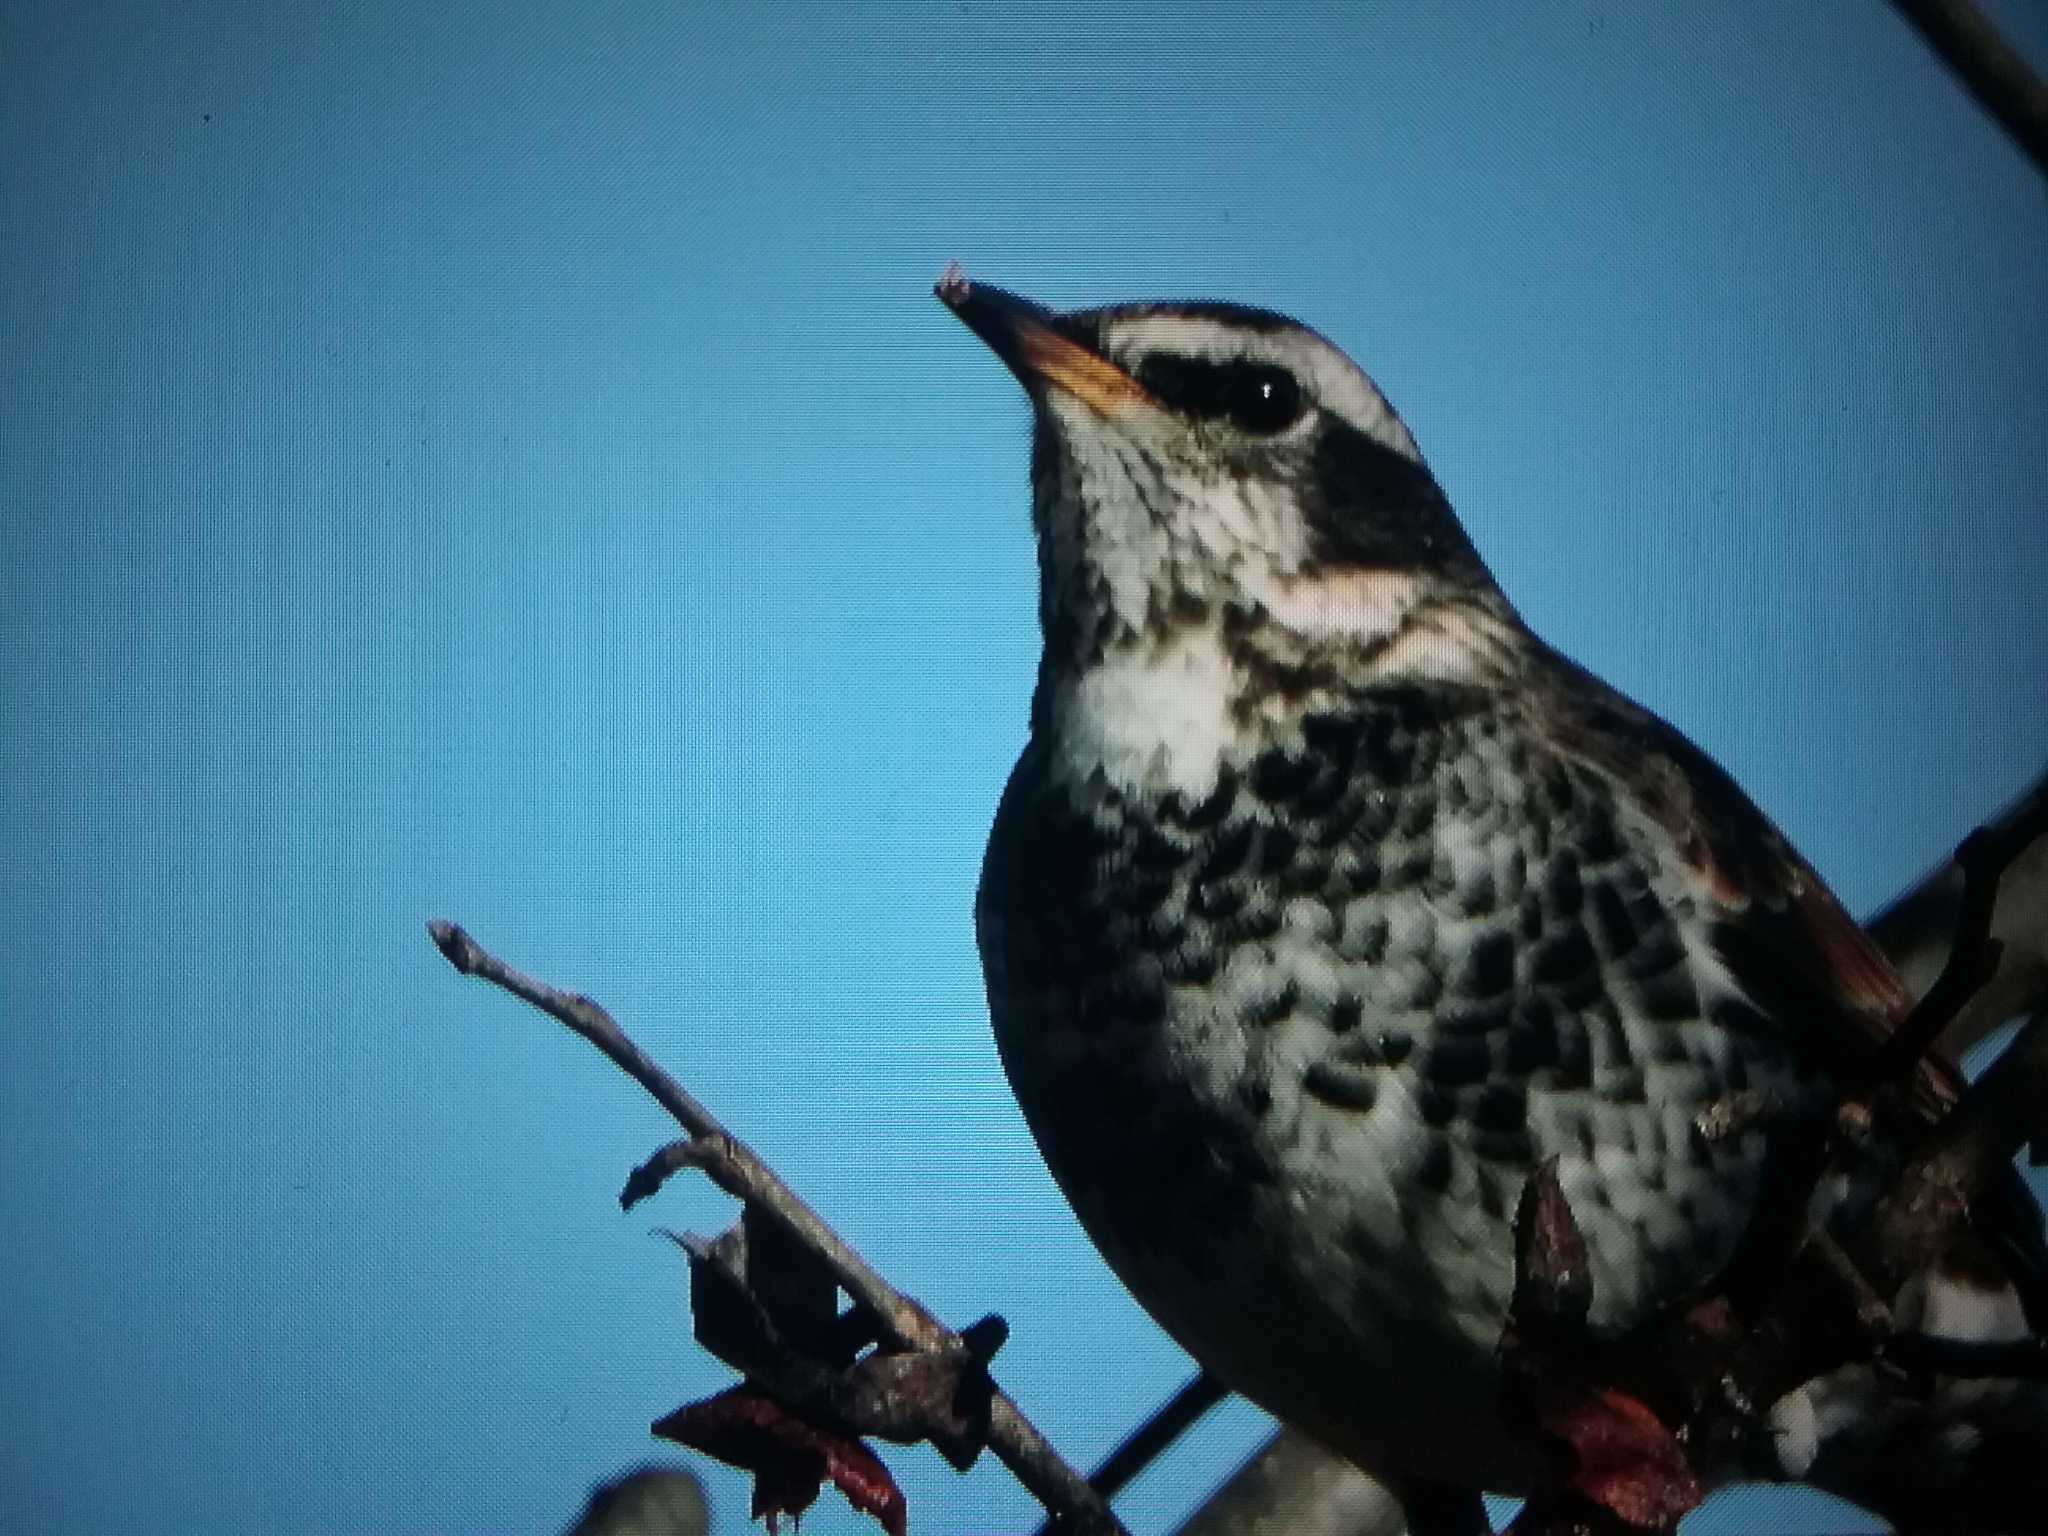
(1291, 1050)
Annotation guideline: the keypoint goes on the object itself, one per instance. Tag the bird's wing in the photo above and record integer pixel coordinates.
(1786, 940)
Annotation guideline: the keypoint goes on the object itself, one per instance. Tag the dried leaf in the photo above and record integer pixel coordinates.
(792, 1283)
(729, 1321)
(790, 1457)
(1627, 1462)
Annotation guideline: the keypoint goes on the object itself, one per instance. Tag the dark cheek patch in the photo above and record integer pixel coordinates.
(1367, 505)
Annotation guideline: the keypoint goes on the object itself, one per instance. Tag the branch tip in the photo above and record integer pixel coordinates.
(983, 1338)
(455, 943)
(913, 1345)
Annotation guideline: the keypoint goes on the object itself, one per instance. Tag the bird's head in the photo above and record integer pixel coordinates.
(1209, 464)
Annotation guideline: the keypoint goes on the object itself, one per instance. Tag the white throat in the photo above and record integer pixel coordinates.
(1159, 715)
(1148, 718)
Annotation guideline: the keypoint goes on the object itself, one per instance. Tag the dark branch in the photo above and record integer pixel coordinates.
(2003, 1110)
(1173, 1419)
(906, 1326)
(1983, 859)
(1989, 67)
(1917, 930)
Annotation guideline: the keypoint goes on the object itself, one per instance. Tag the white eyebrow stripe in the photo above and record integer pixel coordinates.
(1336, 383)
(1202, 336)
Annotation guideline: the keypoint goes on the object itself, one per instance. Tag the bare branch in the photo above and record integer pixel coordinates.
(1916, 930)
(1989, 67)
(733, 1165)
(2002, 1111)
(736, 1168)
(1166, 1424)
(1982, 860)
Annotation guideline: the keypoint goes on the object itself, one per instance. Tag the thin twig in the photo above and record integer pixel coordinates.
(742, 1174)
(2002, 1111)
(1989, 67)
(1983, 857)
(1166, 1424)
(1173, 1419)
(1916, 930)
(738, 1170)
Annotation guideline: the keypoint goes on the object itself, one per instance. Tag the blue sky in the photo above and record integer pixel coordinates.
(505, 463)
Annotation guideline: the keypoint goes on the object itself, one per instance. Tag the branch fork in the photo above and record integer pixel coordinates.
(765, 1295)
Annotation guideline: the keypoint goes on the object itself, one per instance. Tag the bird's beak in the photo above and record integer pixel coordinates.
(1025, 336)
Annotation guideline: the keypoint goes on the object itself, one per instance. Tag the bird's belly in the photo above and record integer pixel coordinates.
(1293, 1073)
(1346, 1266)
(1279, 1246)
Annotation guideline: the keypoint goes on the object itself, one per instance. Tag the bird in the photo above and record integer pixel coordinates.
(1326, 901)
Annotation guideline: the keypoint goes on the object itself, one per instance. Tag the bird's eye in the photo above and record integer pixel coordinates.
(1263, 399)
(1259, 398)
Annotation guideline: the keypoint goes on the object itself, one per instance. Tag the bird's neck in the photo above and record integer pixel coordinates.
(1167, 707)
